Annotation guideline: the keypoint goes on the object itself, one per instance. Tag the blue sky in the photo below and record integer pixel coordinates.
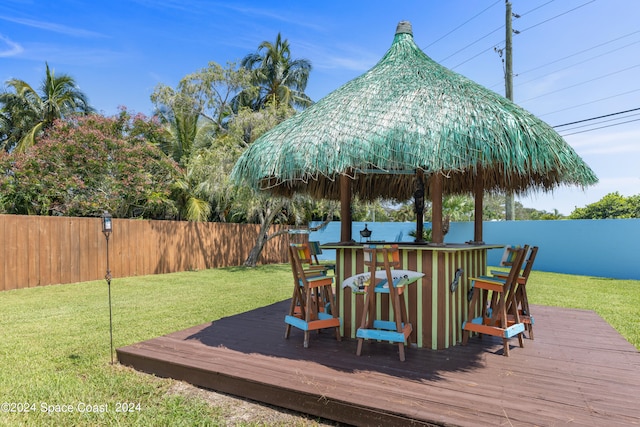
(573, 59)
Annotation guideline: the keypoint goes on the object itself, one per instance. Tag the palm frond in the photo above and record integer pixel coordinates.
(29, 138)
(198, 209)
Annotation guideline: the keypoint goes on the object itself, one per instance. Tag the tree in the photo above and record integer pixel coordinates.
(187, 130)
(544, 215)
(634, 204)
(613, 205)
(196, 115)
(280, 78)
(187, 191)
(462, 208)
(369, 211)
(203, 98)
(86, 165)
(257, 207)
(208, 181)
(208, 95)
(458, 207)
(27, 113)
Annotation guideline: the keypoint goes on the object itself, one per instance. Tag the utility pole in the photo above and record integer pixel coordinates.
(509, 204)
(508, 61)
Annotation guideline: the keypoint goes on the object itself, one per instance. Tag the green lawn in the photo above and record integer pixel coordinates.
(55, 339)
(617, 301)
(55, 343)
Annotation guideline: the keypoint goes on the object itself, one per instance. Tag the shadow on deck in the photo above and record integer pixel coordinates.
(578, 370)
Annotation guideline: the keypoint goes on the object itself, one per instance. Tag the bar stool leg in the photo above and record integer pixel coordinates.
(471, 314)
(365, 317)
(401, 351)
(399, 316)
(306, 339)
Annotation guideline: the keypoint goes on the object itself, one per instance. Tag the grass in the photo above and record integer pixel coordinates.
(55, 339)
(55, 343)
(616, 301)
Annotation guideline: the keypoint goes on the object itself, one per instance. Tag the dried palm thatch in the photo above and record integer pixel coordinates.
(409, 113)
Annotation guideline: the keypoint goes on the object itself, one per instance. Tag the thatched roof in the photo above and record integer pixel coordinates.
(408, 113)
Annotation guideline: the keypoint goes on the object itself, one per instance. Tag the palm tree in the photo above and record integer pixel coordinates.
(26, 113)
(192, 205)
(281, 79)
(187, 130)
(405, 213)
(458, 207)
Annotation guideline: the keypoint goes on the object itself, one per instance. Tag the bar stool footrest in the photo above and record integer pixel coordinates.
(324, 321)
(477, 325)
(385, 331)
(523, 319)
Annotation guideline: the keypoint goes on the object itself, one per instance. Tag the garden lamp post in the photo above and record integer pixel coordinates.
(107, 228)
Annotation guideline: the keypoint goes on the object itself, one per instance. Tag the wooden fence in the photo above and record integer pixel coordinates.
(40, 250)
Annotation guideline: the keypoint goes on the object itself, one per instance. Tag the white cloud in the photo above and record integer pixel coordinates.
(345, 63)
(9, 48)
(53, 27)
(341, 57)
(626, 185)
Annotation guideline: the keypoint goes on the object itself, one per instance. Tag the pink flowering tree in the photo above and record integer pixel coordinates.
(89, 164)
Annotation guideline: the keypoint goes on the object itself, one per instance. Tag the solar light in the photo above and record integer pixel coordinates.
(107, 229)
(107, 225)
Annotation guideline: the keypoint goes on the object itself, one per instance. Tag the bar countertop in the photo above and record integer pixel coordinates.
(415, 246)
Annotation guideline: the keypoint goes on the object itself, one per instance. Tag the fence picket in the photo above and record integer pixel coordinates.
(38, 251)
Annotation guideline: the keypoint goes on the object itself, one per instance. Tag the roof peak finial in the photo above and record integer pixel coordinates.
(404, 27)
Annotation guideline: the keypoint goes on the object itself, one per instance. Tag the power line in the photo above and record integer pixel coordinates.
(601, 127)
(462, 25)
(590, 102)
(590, 125)
(471, 44)
(536, 8)
(518, 32)
(580, 52)
(599, 123)
(582, 83)
(547, 64)
(578, 63)
(520, 73)
(597, 117)
(473, 57)
(557, 16)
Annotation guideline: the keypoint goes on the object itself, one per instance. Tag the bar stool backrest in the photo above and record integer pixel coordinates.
(303, 252)
(509, 255)
(315, 250)
(384, 254)
(296, 264)
(518, 260)
(528, 265)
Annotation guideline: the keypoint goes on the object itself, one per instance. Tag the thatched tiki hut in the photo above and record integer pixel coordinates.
(405, 119)
(412, 128)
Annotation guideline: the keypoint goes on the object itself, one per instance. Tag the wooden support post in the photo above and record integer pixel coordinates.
(478, 195)
(346, 226)
(418, 196)
(437, 236)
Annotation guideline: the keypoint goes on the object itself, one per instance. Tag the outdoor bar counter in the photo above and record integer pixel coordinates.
(435, 311)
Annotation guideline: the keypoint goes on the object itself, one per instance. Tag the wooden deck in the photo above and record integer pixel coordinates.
(577, 371)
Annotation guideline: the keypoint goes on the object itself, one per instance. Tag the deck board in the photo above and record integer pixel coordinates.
(578, 371)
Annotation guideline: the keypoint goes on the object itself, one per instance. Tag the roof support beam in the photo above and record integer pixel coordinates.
(437, 235)
(346, 226)
(419, 205)
(478, 191)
